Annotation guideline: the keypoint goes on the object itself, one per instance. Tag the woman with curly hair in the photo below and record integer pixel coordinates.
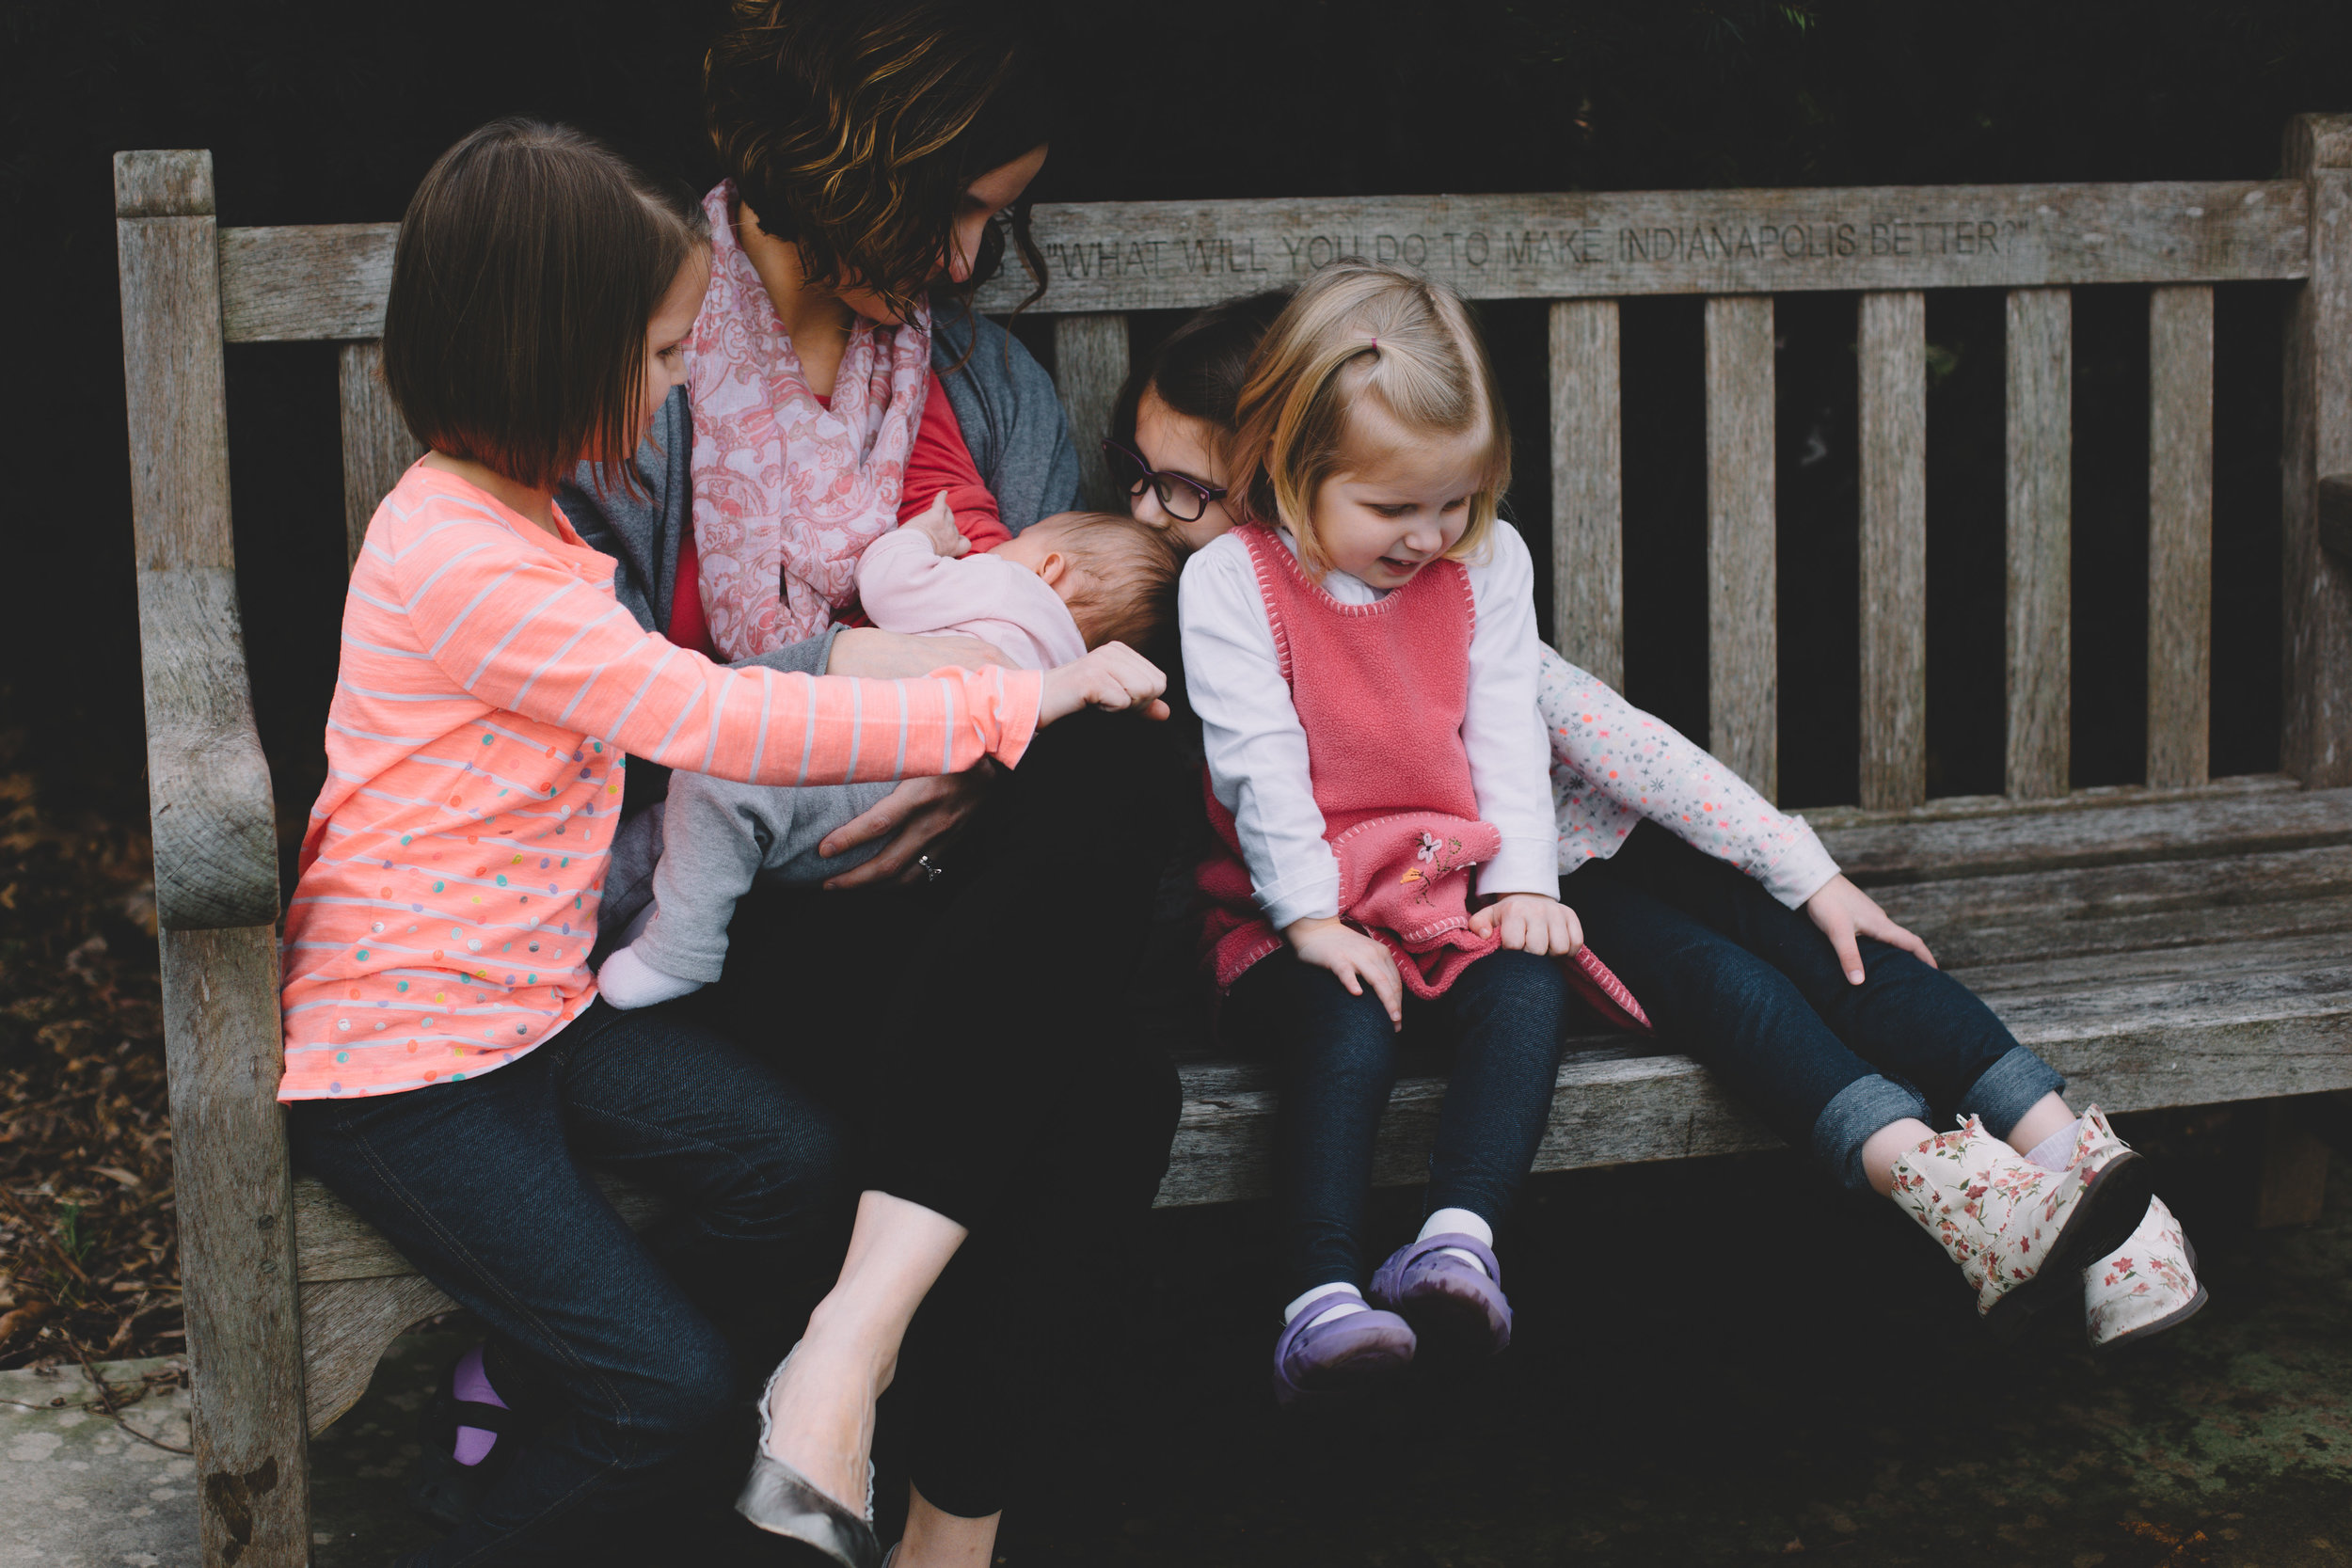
(876, 158)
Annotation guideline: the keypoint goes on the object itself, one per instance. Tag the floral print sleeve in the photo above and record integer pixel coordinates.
(1614, 764)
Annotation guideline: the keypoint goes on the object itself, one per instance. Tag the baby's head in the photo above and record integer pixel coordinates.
(1371, 427)
(1118, 576)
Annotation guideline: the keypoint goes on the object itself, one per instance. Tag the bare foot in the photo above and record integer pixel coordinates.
(821, 1420)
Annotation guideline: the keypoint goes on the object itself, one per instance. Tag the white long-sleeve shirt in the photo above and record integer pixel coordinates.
(1257, 749)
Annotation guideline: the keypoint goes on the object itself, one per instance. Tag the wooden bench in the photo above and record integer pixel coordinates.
(2181, 943)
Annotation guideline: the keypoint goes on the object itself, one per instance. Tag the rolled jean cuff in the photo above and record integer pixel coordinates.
(1847, 1122)
(2009, 1088)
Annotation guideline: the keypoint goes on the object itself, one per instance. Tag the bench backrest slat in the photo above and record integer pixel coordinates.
(377, 448)
(2039, 473)
(2179, 533)
(1893, 338)
(1587, 488)
(1742, 541)
(1090, 367)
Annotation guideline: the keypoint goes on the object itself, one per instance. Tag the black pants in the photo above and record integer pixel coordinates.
(972, 1033)
(483, 1184)
(1753, 989)
(1500, 1021)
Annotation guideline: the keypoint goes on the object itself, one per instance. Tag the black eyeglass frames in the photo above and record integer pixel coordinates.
(1182, 497)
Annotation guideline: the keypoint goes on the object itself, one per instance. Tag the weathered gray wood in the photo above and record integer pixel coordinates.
(2315, 738)
(2199, 827)
(2180, 532)
(337, 1245)
(1743, 574)
(348, 1324)
(2089, 797)
(235, 1205)
(1587, 488)
(1894, 428)
(2041, 342)
(2293, 1180)
(328, 280)
(377, 448)
(1149, 255)
(307, 281)
(208, 786)
(1090, 367)
(2335, 514)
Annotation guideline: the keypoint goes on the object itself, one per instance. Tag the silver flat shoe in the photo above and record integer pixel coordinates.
(779, 1500)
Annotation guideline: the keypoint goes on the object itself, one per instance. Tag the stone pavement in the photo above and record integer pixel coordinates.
(1718, 1363)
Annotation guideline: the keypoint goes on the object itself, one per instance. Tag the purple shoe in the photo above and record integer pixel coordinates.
(1347, 1351)
(1444, 1297)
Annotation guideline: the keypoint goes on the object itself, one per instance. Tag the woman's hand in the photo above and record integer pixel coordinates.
(1329, 942)
(1844, 911)
(1531, 923)
(889, 655)
(1113, 676)
(925, 814)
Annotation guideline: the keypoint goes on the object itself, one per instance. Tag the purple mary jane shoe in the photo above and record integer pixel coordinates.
(1345, 1350)
(1444, 1297)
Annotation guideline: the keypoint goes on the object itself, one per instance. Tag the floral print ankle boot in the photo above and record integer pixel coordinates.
(2149, 1283)
(2014, 1227)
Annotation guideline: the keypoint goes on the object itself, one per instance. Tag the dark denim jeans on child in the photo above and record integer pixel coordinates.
(1502, 1018)
(483, 1185)
(1753, 989)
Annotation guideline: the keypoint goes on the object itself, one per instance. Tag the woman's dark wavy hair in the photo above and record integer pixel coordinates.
(852, 128)
(1199, 369)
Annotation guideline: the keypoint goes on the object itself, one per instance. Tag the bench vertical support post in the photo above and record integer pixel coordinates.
(2315, 740)
(1587, 489)
(1894, 406)
(377, 448)
(215, 880)
(2041, 395)
(1089, 368)
(2180, 534)
(1743, 568)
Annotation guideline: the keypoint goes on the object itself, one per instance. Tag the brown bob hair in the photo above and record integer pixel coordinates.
(529, 264)
(853, 130)
(1359, 333)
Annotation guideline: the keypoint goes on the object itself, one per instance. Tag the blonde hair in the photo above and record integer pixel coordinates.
(1357, 330)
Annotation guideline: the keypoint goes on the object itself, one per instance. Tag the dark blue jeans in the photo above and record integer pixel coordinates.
(483, 1186)
(1753, 989)
(1502, 1018)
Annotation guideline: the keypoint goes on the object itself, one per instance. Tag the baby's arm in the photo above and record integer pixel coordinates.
(906, 585)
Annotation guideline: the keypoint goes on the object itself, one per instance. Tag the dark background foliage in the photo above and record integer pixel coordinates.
(326, 114)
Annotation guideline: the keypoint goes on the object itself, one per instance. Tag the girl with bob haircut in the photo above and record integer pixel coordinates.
(1361, 652)
(450, 1070)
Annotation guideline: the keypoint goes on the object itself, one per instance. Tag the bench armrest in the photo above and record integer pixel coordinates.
(208, 782)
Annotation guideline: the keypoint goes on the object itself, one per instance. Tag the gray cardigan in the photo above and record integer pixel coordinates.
(1004, 400)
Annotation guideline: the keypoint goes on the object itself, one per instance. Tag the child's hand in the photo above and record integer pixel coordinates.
(1531, 923)
(1844, 911)
(938, 525)
(1331, 944)
(1113, 676)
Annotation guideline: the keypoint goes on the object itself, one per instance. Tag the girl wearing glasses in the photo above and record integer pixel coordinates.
(1836, 1026)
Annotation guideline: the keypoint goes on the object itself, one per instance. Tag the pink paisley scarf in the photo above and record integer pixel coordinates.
(787, 493)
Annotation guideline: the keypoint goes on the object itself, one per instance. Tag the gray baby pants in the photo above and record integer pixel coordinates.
(690, 856)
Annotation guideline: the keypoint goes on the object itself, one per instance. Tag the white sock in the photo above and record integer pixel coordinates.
(1459, 1222)
(628, 981)
(2053, 1152)
(1340, 1311)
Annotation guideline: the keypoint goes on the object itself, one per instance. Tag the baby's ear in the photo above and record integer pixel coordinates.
(1053, 569)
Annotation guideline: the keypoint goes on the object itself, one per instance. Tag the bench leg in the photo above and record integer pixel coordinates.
(234, 1195)
(2294, 1169)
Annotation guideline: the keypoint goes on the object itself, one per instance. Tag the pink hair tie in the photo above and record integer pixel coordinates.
(1375, 345)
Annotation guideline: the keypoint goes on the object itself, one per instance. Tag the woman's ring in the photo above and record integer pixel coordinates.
(932, 870)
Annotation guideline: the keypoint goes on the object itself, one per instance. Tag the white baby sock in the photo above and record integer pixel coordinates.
(1341, 1310)
(2053, 1152)
(1458, 1222)
(628, 981)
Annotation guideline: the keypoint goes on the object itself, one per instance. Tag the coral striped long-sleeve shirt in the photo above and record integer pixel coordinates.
(489, 690)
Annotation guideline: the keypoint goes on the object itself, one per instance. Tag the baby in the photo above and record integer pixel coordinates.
(1065, 584)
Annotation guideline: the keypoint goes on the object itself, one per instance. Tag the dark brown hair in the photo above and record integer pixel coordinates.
(1130, 569)
(1199, 369)
(852, 128)
(530, 261)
